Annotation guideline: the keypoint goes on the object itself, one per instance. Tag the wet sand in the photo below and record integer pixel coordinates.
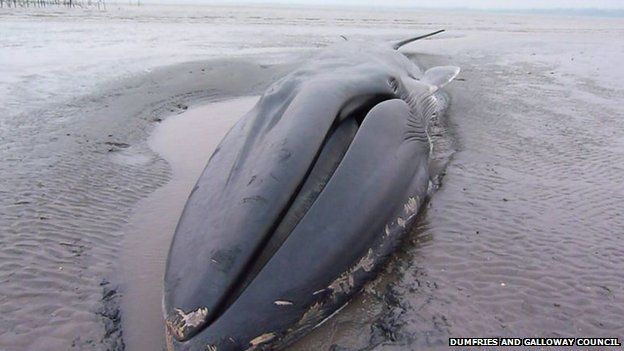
(185, 141)
(69, 188)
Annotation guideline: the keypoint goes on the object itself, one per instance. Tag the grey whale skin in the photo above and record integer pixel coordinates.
(303, 200)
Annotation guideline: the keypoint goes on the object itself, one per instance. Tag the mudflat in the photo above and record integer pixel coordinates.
(522, 238)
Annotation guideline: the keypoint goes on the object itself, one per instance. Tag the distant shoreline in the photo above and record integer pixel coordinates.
(563, 11)
(555, 11)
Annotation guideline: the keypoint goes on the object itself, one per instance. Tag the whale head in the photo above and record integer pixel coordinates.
(305, 187)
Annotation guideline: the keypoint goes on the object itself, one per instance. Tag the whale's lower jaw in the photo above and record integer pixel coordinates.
(330, 300)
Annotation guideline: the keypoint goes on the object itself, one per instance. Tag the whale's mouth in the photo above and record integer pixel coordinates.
(184, 325)
(326, 162)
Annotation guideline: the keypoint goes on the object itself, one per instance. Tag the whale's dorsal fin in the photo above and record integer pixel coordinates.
(440, 76)
(397, 44)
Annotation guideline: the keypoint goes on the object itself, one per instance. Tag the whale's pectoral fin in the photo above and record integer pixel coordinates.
(439, 76)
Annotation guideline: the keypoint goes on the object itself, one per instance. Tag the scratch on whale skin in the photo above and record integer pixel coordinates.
(401, 222)
(183, 323)
(411, 207)
(346, 281)
(260, 339)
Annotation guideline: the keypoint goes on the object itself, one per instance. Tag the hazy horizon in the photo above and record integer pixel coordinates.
(474, 4)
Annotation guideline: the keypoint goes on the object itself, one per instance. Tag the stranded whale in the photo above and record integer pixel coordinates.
(303, 199)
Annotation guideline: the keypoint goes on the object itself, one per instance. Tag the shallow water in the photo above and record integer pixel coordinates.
(185, 141)
(68, 192)
(523, 239)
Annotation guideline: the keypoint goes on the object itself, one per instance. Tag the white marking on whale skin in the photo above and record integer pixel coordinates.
(430, 187)
(318, 292)
(260, 339)
(345, 282)
(341, 285)
(401, 222)
(182, 322)
(211, 348)
(283, 302)
(194, 318)
(411, 206)
(367, 262)
(410, 209)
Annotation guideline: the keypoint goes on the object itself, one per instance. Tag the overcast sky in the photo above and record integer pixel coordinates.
(477, 4)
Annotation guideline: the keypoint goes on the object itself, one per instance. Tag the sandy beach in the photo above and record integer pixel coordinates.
(100, 148)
